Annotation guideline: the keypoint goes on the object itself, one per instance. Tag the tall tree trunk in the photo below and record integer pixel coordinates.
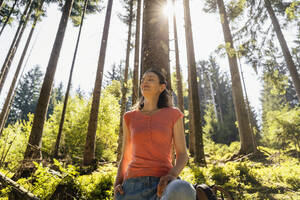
(218, 99)
(9, 97)
(124, 85)
(135, 80)
(178, 72)
(193, 90)
(8, 17)
(285, 50)
(33, 149)
(191, 131)
(212, 94)
(237, 92)
(62, 119)
(155, 41)
(178, 69)
(89, 151)
(14, 45)
(247, 105)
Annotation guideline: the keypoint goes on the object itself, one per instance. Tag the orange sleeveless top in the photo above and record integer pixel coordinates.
(151, 138)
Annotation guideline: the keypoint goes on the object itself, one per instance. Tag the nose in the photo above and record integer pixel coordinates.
(144, 81)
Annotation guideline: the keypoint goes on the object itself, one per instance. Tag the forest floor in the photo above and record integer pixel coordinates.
(273, 175)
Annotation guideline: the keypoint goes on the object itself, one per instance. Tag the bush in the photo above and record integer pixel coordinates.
(99, 185)
(75, 128)
(283, 128)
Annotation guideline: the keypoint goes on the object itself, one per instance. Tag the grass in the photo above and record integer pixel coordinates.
(273, 175)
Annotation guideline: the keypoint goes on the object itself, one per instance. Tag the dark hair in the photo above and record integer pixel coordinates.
(165, 98)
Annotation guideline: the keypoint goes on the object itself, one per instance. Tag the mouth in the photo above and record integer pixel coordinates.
(145, 87)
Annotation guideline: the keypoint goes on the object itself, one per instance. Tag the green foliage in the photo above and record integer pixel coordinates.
(12, 143)
(236, 8)
(218, 175)
(27, 94)
(115, 89)
(283, 128)
(75, 127)
(99, 185)
(293, 11)
(275, 176)
(77, 10)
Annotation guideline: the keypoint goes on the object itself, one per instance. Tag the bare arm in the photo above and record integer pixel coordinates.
(180, 148)
(181, 157)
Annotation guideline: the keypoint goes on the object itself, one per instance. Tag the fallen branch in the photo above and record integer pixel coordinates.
(25, 194)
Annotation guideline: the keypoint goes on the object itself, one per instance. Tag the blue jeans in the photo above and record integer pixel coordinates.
(145, 188)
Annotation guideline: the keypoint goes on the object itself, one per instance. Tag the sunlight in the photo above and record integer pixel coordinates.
(168, 9)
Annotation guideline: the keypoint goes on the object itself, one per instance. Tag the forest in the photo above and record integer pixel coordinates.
(58, 141)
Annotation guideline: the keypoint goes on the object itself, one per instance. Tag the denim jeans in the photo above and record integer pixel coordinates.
(145, 188)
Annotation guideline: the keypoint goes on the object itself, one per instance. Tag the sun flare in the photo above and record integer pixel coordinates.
(168, 9)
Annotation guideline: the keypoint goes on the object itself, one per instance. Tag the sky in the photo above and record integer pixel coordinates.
(207, 35)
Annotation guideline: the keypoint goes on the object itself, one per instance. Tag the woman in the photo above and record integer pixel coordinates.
(145, 170)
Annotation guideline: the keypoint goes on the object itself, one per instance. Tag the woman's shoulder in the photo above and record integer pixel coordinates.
(173, 109)
(130, 112)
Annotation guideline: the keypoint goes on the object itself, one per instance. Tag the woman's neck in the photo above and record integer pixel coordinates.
(150, 104)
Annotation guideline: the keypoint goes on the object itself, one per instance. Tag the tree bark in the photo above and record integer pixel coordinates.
(135, 80)
(155, 40)
(191, 126)
(9, 97)
(178, 69)
(33, 149)
(62, 119)
(285, 50)
(248, 106)
(89, 152)
(14, 45)
(193, 90)
(8, 17)
(212, 94)
(237, 92)
(124, 85)
(19, 191)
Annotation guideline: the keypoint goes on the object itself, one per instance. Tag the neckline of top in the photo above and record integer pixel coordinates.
(152, 113)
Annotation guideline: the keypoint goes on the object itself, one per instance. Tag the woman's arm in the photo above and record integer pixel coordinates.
(180, 148)
(181, 157)
(126, 155)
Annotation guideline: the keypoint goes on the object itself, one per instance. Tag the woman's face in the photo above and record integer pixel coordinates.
(150, 84)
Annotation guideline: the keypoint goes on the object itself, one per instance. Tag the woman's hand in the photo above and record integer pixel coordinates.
(163, 182)
(118, 189)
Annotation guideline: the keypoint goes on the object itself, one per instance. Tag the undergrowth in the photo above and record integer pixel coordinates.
(272, 175)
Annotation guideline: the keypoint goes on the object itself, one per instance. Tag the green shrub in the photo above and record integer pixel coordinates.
(219, 175)
(99, 185)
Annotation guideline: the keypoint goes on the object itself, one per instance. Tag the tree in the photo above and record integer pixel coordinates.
(5, 109)
(8, 16)
(125, 82)
(26, 96)
(33, 150)
(178, 69)
(115, 73)
(61, 124)
(194, 108)
(219, 116)
(247, 142)
(217, 84)
(15, 43)
(89, 152)
(155, 39)
(135, 81)
(286, 53)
